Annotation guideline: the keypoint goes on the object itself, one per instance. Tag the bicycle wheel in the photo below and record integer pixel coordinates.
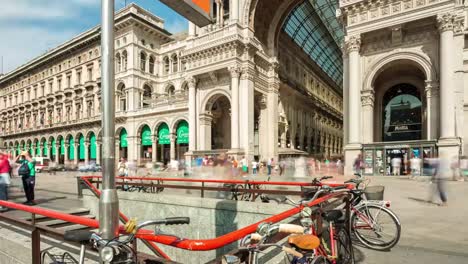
(376, 227)
(344, 245)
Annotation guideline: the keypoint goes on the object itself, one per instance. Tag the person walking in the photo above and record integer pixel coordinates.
(123, 171)
(5, 169)
(27, 171)
(234, 167)
(396, 166)
(269, 165)
(245, 166)
(254, 167)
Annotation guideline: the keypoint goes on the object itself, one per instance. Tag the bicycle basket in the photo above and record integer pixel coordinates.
(374, 192)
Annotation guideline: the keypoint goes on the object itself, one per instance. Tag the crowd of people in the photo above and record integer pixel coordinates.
(26, 170)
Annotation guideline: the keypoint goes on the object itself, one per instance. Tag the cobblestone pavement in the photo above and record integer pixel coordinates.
(430, 233)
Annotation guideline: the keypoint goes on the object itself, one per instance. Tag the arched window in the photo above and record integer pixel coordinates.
(142, 61)
(170, 91)
(122, 97)
(151, 64)
(146, 96)
(166, 65)
(175, 63)
(124, 60)
(118, 63)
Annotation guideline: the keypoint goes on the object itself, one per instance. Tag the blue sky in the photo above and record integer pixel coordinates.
(28, 28)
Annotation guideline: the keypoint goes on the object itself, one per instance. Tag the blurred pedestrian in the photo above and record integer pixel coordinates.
(27, 171)
(441, 170)
(123, 171)
(358, 164)
(415, 165)
(254, 167)
(245, 166)
(234, 167)
(5, 169)
(396, 166)
(269, 166)
(282, 167)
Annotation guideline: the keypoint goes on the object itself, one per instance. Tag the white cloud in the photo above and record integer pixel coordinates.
(176, 26)
(21, 44)
(20, 10)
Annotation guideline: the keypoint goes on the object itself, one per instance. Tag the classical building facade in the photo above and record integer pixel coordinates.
(237, 86)
(405, 72)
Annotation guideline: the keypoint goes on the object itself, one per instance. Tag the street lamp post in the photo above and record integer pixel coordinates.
(108, 202)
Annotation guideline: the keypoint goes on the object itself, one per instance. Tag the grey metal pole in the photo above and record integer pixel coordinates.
(108, 202)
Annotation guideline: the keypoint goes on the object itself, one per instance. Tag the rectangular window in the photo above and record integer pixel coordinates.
(90, 74)
(78, 77)
(59, 84)
(79, 59)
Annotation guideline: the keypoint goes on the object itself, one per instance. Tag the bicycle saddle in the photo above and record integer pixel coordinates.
(80, 236)
(304, 242)
(332, 215)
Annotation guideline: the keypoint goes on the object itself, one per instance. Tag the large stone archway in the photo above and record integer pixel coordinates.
(216, 123)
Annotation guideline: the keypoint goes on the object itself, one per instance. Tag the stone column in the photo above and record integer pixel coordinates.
(353, 147)
(205, 132)
(117, 152)
(345, 95)
(447, 121)
(57, 153)
(86, 157)
(192, 83)
(138, 150)
(76, 159)
(367, 101)
(154, 147)
(98, 152)
(234, 12)
(66, 157)
(272, 112)
(173, 146)
(235, 73)
(448, 143)
(246, 103)
(432, 109)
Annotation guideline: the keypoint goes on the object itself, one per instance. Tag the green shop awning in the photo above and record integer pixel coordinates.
(52, 146)
(82, 148)
(123, 139)
(71, 149)
(46, 150)
(163, 135)
(93, 146)
(30, 149)
(146, 136)
(38, 148)
(183, 133)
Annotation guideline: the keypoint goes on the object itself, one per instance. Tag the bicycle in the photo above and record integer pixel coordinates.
(331, 227)
(116, 250)
(365, 215)
(252, 244)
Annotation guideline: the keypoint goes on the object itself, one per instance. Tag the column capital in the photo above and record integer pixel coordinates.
(431, 89)
(248, 73)
(353, 43)
(367, 98)
(191, 82)
(450, 22)
(235, 71)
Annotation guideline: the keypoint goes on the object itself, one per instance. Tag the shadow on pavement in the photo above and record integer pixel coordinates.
(422, 200)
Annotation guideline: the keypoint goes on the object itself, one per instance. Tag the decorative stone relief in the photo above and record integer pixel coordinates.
(374, 13)
(363, 16)
(420, 2)
(407, 4)
(396, 8)
(367, 98)
(353, 43)
(445, 22)
(385, 10)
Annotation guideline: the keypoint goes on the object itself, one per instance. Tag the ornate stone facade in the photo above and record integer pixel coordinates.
(218, 80)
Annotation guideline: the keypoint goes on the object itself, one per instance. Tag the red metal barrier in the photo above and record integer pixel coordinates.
(183, 243)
